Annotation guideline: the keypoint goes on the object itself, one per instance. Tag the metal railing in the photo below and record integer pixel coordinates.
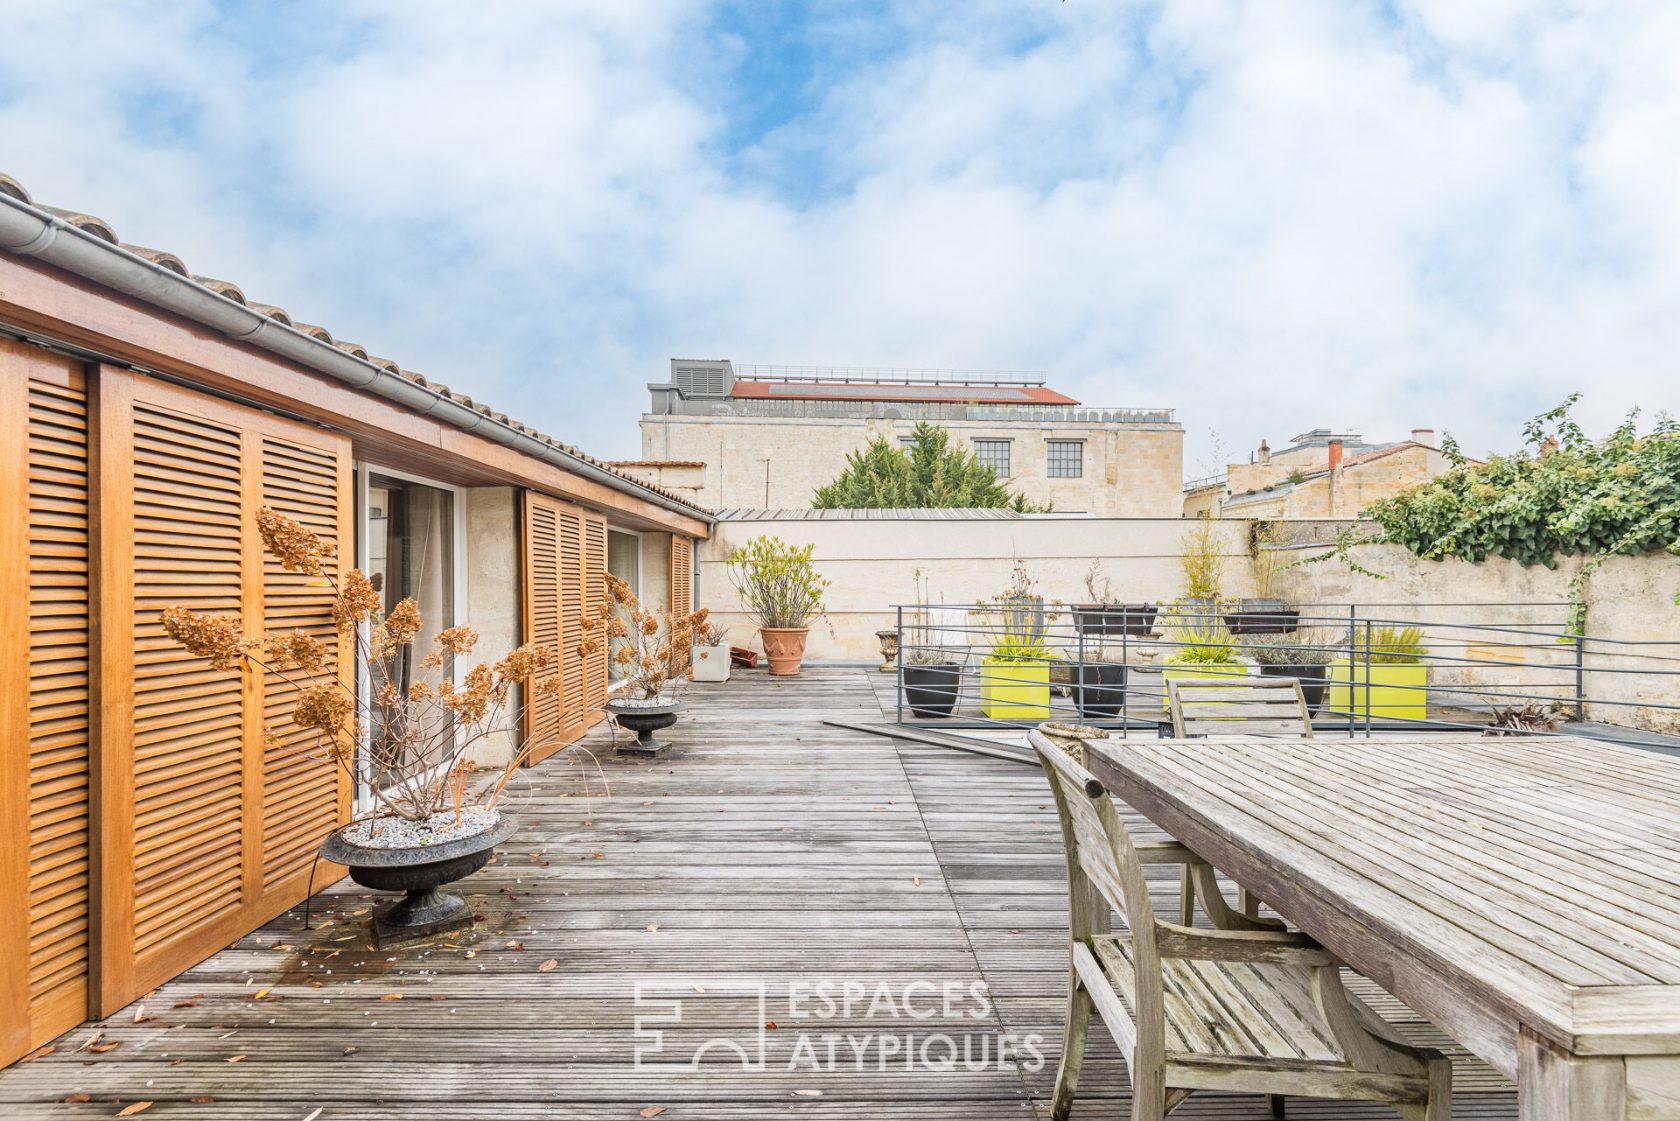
(1466, 667)
(886, 375)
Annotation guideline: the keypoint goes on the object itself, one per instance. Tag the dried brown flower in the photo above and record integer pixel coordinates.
(299, 649)
(294, 545)
(216, 637)
(355, 601)
(403, 624)
(324, 708)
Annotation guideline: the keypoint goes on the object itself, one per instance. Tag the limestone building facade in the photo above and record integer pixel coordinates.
(752, 436)
(1321, 474)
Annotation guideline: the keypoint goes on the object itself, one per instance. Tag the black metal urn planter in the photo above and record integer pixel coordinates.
(1115, 619)
(931, 691)
(1262, 616)
(644, 720)
(418, 870)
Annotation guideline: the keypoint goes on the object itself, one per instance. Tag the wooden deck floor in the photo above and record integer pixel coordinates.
(769, 852)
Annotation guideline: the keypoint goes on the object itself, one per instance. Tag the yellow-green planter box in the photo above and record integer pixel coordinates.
(1397, 690)
(1015, 690)
(1171, 672)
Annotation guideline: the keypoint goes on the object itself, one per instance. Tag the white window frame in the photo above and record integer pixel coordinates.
(363, 800)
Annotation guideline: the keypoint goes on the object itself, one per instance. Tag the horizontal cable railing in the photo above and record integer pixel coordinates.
(1364, 668)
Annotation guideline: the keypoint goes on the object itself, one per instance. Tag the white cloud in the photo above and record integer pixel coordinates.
(1268, 216)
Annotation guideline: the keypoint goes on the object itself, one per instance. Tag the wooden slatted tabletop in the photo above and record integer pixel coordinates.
(1522, 893)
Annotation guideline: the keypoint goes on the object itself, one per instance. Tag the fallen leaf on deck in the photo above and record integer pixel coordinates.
(917, 880)
(652, 926)
(516, 945)
(770, 1024)
(261, 993)
(547, 965)
(38, 1053)
(391, 996)
(316, 1114)
(699, 988)
(653, 1111)
(807, 1093)
(186, 1004)
(351, 1050)
(131, 1110)
(101, 1048)
(84, 1096)
(237, 1059)
(201, 1099)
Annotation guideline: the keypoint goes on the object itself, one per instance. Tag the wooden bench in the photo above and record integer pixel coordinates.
(1259, 706)
(1255, 1011)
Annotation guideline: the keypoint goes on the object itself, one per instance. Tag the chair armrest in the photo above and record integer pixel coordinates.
(1276, 947)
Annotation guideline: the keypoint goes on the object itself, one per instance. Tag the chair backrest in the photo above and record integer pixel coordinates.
(1100, 853)
(949, 626)
(1248, 706)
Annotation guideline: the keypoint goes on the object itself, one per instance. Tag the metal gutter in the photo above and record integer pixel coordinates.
(32, 232)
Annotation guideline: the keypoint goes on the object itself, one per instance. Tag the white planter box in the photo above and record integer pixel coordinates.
(709, 663)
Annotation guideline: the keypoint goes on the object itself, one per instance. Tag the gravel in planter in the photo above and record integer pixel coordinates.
(397, 833)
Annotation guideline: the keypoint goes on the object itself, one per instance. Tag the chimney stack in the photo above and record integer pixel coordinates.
(1265, 451)
(1424, 436)
(1335, 455)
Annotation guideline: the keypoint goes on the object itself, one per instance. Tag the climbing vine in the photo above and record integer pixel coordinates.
(1565, 494)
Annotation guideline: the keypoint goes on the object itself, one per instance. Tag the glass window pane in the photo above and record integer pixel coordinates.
(994, 454)
(411, 555)
(1066, 459)
(624, 560)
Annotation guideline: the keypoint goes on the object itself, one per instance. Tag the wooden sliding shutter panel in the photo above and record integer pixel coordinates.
(207, 825)
(45, 850)
(682, 591)
(565, 563)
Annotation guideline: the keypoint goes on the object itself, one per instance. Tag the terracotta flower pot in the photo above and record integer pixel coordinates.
(785, 648)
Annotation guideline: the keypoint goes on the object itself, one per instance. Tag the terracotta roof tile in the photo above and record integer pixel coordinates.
(98, 228)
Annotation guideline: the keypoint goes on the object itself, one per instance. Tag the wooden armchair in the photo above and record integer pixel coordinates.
(1256, 1011)
(1244, 706)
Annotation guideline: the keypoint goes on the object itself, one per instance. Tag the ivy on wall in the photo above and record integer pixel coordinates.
(1563, 495)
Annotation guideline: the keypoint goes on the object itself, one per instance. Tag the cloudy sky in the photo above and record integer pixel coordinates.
(1270, 216)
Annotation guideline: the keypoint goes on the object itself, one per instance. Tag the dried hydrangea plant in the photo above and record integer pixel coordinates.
(409, 739)
(653, 641)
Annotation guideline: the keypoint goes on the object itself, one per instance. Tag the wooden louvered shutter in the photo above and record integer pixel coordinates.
(207, 828)
(542, 721)
(594, 588)
(44, 783)
(565, 550)
(682, 590)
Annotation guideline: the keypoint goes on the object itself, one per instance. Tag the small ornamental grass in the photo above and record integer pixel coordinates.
(409, 739)
(1299, 648)
(1210, 645)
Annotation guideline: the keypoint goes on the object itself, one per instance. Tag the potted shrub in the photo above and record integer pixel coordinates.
(1104, 616)
(643, 704)
(1303, 655)
(932, 679)
(406, 738)
(780, 587)
(1396, 672)
(709, 661)
(1207, 650)
(1102, 682)
(1015, 674)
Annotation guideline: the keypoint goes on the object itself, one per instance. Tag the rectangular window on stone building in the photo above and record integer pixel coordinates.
(1067, 459)
(994, 454)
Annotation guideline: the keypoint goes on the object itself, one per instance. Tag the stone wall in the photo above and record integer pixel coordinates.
(493, 581)
(1502, 616)
(1132, 470)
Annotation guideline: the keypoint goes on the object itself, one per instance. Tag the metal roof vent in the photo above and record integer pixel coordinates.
(703, 378)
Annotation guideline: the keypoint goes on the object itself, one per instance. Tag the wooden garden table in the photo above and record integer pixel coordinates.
(1522, 893)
